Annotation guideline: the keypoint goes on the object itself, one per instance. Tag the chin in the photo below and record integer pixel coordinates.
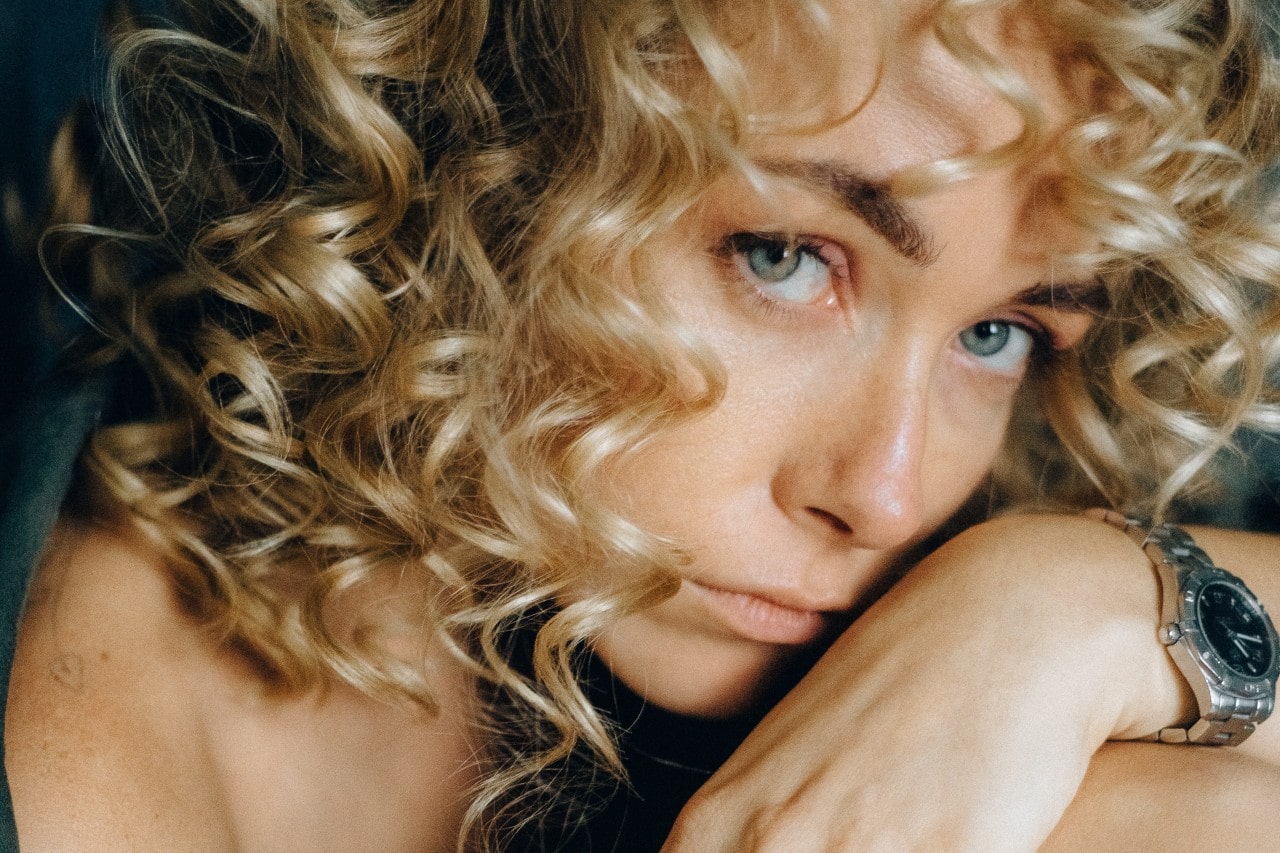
(730, 683)
(714, 704)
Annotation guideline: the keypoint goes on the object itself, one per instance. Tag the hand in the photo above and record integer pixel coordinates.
(962, 710)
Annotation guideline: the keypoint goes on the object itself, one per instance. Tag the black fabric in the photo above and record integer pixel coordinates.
(667, 757)
(580, 807)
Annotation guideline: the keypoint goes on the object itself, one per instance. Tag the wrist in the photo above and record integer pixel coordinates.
(1159, 696)
(1216, 632)
(1092, 607)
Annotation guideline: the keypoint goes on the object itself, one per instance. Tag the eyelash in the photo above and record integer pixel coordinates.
(1044, 340)
(1041, 341)
(739, 244)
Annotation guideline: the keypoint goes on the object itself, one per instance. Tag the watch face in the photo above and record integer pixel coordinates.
(1234, 627)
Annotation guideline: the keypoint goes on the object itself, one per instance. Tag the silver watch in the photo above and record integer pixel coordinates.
(1217, 632)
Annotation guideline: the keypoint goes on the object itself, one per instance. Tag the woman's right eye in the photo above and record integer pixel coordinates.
(783, 270)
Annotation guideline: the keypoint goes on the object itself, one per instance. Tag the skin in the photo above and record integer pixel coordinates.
(855, 421)
(1046, 650)
(99, 758)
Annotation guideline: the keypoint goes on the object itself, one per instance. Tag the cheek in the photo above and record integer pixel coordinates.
(968, 423)
(680, 477)
(695, 468)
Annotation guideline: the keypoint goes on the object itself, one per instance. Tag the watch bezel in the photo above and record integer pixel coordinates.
(1191, 583)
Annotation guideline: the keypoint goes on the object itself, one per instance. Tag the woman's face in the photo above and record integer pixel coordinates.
(873, 347)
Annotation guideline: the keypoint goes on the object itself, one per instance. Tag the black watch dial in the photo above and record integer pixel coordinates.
(1234, 627)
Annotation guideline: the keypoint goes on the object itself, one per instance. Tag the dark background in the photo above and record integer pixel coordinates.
(46, 53)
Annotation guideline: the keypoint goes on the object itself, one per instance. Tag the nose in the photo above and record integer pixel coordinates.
(858, 476)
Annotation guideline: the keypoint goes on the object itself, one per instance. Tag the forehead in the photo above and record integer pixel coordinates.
(910, 99)
(912, 84)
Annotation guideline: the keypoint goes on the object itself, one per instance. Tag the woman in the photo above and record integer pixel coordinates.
(479, 337)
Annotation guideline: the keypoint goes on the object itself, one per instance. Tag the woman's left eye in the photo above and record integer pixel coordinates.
(1001, 346)
(781, 269)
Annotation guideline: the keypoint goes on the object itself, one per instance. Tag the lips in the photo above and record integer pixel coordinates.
(762, 618)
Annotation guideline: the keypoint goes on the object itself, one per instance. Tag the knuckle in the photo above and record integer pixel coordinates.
(695, 821)
(784, 827)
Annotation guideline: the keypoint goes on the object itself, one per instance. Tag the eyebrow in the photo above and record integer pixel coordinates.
(1089, 296)
(869, 200)
(875, 204)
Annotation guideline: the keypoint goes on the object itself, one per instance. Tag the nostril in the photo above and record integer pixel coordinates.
(836, 522)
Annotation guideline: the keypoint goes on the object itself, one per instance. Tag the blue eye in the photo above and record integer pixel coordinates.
(1001, 346)
(780, 269)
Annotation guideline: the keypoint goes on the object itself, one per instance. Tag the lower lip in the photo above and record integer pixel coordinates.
(759, 619)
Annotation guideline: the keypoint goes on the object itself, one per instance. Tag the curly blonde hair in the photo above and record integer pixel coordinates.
(371, 256)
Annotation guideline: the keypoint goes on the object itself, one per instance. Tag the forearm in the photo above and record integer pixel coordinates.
(1159, 696)
(1007, 659)
(1138, 797)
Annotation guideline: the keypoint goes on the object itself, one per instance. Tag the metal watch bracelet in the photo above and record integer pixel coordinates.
(1232, 702)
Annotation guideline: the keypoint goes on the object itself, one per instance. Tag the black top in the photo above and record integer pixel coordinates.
(667, 757)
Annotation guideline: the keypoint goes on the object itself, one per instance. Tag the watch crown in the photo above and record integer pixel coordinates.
(1170, 633)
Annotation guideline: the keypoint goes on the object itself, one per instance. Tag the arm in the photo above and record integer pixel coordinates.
(1139, 796)
(963, 709)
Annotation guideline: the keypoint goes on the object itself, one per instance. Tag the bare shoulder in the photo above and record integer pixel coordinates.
(97, 686)
(128, 728)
